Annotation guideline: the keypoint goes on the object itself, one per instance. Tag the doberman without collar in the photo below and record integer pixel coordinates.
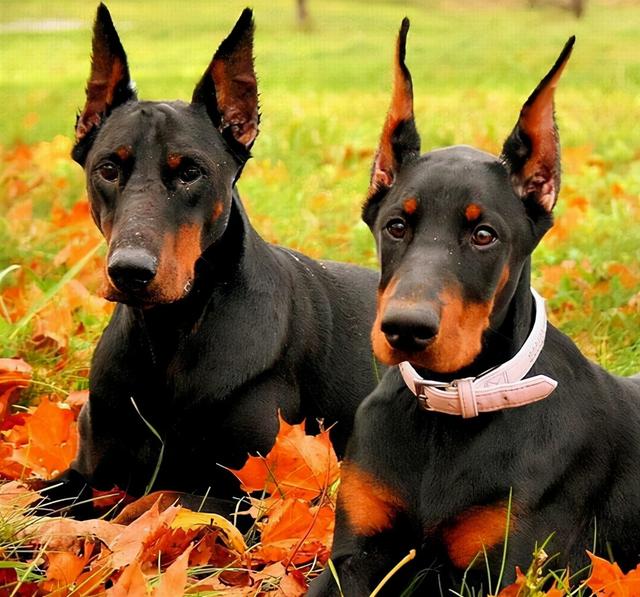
(513, 432)
(215, 330)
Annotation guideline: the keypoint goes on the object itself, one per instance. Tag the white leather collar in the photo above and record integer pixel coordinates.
(496, 389)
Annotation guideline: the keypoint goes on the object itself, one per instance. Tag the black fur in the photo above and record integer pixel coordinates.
(205, 358)
(570, 460)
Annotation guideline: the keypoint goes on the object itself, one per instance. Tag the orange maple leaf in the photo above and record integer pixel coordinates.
(298, 466)
(130, 544)
(64, 568)
(295, 531)
(47, 442)
(292, 584)
(608, 580)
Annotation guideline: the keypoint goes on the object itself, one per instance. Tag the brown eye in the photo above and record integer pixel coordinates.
(109, 171)
(189, 173)
(483, 236)
(396, 228)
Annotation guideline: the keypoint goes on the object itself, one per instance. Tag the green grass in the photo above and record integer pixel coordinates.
(324, 93)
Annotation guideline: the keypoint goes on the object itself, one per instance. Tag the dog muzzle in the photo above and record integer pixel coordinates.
(496, 389)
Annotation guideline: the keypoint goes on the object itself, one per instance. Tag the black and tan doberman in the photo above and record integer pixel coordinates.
(493, 424)
(215, 330)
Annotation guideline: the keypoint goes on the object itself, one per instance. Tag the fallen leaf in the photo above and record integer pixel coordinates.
(16, 496)
(9, 584)
(608, 580)
(292, 584)
(47, 442)
(67, 534)
(187, 519)
(128, 546)
(173, 581)
(298, 466)
(296, 531)
(64, 568)
(131, 583)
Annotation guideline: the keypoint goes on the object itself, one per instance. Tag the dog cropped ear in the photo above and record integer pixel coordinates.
(532, 151)
(229, 89)
(109, 84)
(399, 140)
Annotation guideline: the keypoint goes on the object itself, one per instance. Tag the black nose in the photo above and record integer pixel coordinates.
(131, 269)
(410, 330)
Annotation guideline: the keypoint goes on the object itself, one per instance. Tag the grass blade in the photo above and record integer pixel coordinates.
(55, 289)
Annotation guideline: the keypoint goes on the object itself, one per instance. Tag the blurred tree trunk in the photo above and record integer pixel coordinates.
(578, 7)
(302, 13)
(575, 6)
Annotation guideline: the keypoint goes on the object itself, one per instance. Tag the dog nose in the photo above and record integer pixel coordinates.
(131, 269)
(410, 330)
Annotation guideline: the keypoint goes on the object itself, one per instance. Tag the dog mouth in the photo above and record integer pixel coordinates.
(437, 356)
(146, 297)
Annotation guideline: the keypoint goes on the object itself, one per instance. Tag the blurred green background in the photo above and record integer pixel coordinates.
(324, 92)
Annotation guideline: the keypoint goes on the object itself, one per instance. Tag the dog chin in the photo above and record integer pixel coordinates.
(433, 363)
(424, 360)
(144, 299)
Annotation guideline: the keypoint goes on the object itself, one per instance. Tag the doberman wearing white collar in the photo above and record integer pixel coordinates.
(514, 436)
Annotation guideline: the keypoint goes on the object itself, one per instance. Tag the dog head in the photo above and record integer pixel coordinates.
(160, 174)
(455, 226)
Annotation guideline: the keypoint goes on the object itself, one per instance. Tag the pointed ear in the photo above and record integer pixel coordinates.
(532, 151)
(229, 89)
(109, 84)
(399, 140)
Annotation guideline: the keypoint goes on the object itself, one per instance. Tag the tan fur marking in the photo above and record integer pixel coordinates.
(179, 256)
(477, 528)
(124, 152)
(370, 506)
(410, 205)
(459, 339)
(106, 227)
(472, 212)
(381, 347)
(504, 278)
(173, 160)
(218, 208)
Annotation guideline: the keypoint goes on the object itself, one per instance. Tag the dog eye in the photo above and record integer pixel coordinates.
(109, 171)
(483, 236)
(189, 173)
(396, 228)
